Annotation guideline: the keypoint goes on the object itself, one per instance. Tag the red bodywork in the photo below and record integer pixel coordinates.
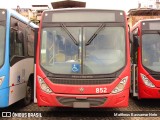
(72, 91)
(143, 90)
(113, 100)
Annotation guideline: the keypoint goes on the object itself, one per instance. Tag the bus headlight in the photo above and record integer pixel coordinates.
(1, 80)
(44, 86)
(146, 81)
(120, 86)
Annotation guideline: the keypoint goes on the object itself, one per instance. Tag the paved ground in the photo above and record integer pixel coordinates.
(137, 107)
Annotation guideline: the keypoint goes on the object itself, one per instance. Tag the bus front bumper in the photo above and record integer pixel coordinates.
(83, 101)
(148, 92)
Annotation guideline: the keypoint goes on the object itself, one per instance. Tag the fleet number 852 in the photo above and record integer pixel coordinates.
(101, 90)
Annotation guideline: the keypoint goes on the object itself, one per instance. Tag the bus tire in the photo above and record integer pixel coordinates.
(28, 98)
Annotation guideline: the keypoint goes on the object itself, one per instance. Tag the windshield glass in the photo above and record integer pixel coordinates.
(151, 51)
(58, 51)
(2, 43)
(104, 54)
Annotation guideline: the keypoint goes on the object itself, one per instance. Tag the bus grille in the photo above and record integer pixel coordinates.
(94, 102)
(82, 81)
(157, 77)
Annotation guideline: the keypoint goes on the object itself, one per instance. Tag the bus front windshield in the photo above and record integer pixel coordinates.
(69, 53)
(2, 43)
(151, 51)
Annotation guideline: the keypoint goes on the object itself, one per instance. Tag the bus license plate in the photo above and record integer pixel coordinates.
(81, 105)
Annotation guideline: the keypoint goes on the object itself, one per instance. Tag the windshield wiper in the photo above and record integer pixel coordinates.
(69, 34)
(95, 34)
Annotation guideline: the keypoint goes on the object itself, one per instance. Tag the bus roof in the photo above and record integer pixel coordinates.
(147, 21)
(106, 15)
(150, 20)
(82, 9)
(18, 16)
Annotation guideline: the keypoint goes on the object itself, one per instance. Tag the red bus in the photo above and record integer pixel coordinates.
(83, 59)
(145, 54)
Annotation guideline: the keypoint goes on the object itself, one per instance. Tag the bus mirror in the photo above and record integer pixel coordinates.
(131, 37)
(19, 35)
(136, 41)
(138, 38)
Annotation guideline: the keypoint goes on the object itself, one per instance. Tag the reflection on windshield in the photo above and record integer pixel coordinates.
(151, 51)
(2, 45)
(58, 51)
(104, 54)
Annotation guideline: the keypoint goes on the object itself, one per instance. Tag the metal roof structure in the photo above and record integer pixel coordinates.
(68, 4)
(40, 7)
(144, 12)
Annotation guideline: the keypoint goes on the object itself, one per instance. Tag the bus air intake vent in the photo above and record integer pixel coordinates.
(71, 81)
(157, 77)
(69, 101)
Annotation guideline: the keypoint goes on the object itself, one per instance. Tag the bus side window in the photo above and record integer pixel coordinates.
(30, 42)
(135, 49)
(12, 44)
(16, 48)
(2, 45)
(135, 44)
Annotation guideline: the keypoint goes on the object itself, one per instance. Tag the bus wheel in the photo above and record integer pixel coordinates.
(28, 98)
